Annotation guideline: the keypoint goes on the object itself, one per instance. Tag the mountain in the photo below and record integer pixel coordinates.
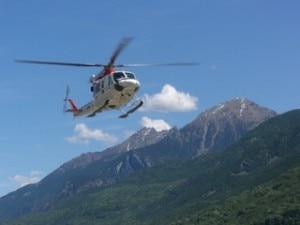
(212, 131)
(142, 138)
(217, 128)
(77, 175)
(254, 182)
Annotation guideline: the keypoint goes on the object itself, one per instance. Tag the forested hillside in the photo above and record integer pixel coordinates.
(255, 181)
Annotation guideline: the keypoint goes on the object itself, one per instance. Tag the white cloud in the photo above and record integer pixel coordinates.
(83, 135)
(33, 177)
(169, 100)
(158, 125)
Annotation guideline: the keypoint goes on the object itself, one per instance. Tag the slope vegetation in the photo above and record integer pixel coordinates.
(255, 181)
(212, 131)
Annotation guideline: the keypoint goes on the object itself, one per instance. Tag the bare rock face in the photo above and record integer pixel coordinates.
(140, 139)
(217, 128)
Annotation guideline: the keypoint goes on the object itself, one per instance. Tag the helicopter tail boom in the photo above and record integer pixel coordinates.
(74, 109)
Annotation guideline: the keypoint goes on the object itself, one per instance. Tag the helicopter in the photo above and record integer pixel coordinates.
(111, 88)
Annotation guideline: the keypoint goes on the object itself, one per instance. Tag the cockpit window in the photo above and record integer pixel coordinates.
(118, 75)
(130, 75)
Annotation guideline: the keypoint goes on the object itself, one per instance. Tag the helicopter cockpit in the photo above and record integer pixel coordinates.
(115, 78)
(123, 74)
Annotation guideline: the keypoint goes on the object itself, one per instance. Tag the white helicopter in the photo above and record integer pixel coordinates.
(111, 89)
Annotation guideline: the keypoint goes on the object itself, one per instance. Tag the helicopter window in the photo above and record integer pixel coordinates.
(97, 89)
(130, 75)
(118, 75)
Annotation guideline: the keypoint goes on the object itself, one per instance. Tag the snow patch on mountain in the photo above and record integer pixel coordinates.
(243, 106)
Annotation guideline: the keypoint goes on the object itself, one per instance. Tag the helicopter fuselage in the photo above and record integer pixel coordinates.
(112, 91)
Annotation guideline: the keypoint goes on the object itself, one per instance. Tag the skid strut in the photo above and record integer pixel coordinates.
(132, 110)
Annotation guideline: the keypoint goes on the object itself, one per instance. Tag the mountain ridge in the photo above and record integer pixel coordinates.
(217, 128)
(139, 139)
(238, 186)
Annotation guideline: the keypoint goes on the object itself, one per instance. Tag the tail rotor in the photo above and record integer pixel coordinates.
(66, 99)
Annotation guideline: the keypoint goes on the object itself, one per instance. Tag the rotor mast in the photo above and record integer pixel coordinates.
(110, 66)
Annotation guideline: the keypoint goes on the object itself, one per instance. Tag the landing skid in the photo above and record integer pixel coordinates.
(132, 110)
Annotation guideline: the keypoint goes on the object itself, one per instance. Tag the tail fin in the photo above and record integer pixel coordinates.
(74, 108)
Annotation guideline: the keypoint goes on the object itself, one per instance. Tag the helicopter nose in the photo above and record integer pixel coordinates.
(129, 84)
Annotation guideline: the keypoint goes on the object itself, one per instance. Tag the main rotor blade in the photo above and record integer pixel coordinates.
(124, 42)
(61, 63)
(157, 64)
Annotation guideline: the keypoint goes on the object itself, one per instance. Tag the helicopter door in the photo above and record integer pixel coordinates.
(96, 88)
(105, 84)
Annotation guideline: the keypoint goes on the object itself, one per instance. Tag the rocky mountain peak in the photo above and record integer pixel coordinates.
(142, 138)
(216, 128)
(241, 108)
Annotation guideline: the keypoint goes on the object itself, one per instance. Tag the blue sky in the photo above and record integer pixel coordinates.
(246, 48)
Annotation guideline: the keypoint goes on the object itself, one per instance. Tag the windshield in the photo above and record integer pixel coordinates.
(130, 75)
(118, 75)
